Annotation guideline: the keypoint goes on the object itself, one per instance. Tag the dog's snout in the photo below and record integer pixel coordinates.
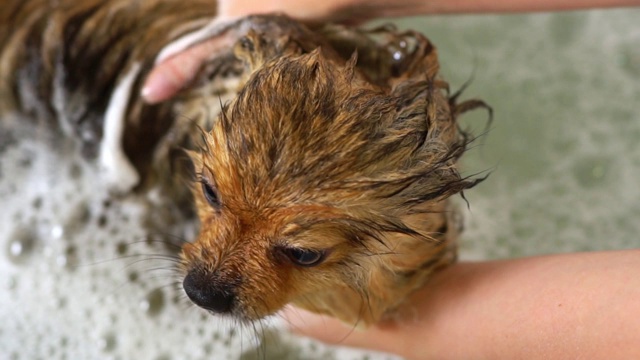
(209, 294)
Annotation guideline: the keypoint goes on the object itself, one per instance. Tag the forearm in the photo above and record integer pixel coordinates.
(382, 8)
(349, 10)
(556, 307)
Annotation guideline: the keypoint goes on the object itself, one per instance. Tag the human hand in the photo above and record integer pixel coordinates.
(424, 327)
(173, 72)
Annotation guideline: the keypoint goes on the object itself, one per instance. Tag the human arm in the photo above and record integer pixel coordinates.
(340, 10)
(582, 305)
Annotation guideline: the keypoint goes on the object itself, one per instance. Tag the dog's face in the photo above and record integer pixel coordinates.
(273, 216)
(305, 180)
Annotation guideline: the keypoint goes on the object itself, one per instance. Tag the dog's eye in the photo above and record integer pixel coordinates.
(210, 194)
(305, 257)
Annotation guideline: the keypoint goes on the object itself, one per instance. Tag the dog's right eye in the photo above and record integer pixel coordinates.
(305, 257)
(210, 194)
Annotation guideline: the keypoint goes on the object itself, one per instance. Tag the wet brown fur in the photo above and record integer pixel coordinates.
(311, 154)
(76, 51)
(324, 147)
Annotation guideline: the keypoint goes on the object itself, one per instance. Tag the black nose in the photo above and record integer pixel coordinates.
(208, 293)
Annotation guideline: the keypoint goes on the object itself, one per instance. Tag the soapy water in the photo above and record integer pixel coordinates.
(82, 276)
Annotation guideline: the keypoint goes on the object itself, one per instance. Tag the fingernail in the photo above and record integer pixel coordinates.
(155, 89)
(148, 94)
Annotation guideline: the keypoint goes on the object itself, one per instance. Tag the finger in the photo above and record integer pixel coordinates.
(172, 74)
(332, 331)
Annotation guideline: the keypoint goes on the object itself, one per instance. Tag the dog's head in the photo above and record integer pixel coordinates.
(309, 182)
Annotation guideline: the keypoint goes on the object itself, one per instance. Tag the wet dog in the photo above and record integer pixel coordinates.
(322, 182)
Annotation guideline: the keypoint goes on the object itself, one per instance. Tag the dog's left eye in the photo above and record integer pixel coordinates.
(305, 257)
(210, 194)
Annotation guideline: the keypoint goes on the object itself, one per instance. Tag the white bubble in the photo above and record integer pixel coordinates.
(57, 231)
(21, 245)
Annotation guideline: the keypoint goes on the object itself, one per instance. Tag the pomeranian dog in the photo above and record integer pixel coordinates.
(322, 182)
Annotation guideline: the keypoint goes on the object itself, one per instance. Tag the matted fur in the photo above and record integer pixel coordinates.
(339, 139)
(312, 154)
(60, 62)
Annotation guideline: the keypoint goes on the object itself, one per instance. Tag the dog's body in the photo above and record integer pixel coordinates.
(323, 184)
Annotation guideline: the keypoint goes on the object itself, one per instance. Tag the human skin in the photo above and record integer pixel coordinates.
(570, 306)
(171, 74)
